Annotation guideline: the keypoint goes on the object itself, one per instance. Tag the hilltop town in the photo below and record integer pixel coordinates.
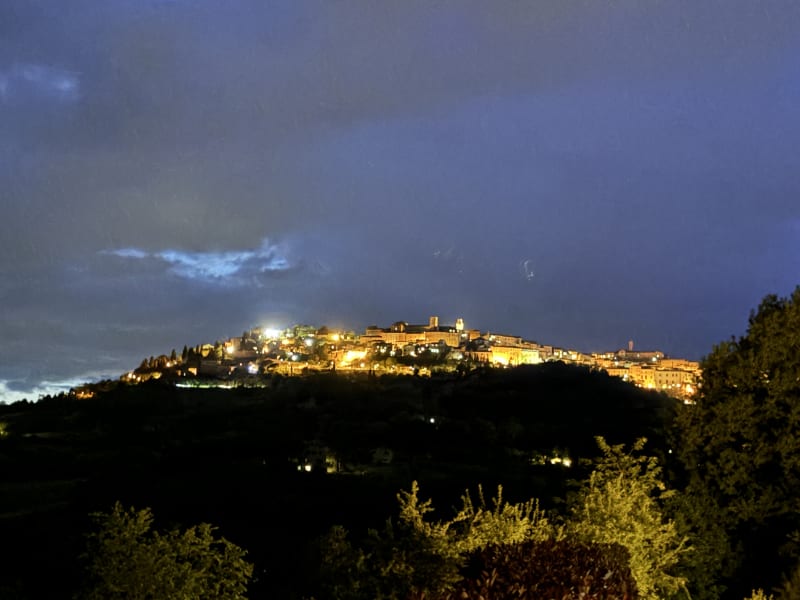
(402, 348)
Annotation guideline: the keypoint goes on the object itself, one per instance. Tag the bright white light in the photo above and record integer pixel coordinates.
(352, 355)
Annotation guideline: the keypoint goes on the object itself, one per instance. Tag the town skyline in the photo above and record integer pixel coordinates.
(402, 348)
(128, 360)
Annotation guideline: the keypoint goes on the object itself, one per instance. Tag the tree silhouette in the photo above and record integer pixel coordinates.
(739, 441)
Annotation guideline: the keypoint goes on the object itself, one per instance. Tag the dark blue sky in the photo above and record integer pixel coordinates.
(580, 173)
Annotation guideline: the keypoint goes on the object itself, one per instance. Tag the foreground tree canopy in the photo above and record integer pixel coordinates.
(739, 443)
(615, 544)
(620, 503)
(129, 560)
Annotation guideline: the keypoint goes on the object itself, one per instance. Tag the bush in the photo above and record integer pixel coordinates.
(532, 570)
(418, 555)
(619, 503)
(128, 560)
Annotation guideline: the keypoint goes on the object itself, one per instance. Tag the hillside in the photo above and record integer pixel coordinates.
(274, 467)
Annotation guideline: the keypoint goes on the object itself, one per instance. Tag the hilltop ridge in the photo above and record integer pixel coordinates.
(402, 348)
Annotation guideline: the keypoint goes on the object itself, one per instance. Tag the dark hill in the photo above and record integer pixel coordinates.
(237, 458)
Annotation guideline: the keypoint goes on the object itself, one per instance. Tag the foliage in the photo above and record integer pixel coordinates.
(788, 590)
(619, 503)
(741, 438)
(759, 595)
(790, 587)
(129, 560)
(739, 442)
(712, 555)
(531, 570)
(503, 523)
(420, 555)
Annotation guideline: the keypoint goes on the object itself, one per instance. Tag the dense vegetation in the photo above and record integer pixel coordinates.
(128, 560)
(740, 448)
(615, 542)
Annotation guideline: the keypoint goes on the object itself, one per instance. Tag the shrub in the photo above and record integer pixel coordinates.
(565, 569)
(128, 560)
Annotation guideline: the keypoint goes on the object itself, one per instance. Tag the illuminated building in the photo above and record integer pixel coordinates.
(401, 334)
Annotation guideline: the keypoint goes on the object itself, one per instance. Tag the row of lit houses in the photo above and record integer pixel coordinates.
(260, 349)
(645, 368)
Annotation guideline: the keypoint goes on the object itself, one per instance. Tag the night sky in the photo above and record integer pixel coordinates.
(580, 173)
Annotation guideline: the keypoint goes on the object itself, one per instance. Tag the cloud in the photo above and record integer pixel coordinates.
(228, 268)
(129, 253)
(14, 390)
(24, 79)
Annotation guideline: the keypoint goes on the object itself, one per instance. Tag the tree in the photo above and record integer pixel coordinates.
(128, 560)
(620, 503)
(712, 559)
(419, 555)
(504, 550)
(738, 442)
